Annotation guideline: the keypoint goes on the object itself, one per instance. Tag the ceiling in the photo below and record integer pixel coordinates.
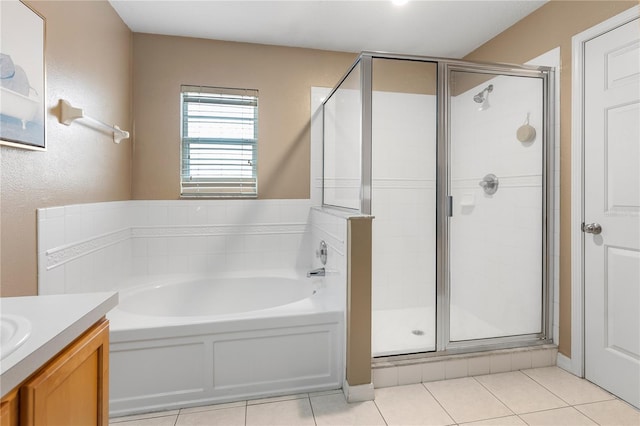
(444, 28)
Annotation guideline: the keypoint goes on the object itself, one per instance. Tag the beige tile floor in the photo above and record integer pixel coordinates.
(540, 396)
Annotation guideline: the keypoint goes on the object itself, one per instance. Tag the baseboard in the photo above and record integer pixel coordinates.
(358, 393)
(566, 363)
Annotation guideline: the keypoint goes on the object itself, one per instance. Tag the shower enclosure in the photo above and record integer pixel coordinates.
(452, 158)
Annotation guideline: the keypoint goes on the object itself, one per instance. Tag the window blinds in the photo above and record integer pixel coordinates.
(219, 142)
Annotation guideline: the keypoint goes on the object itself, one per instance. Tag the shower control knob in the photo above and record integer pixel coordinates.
(489, 184)
(591, 228)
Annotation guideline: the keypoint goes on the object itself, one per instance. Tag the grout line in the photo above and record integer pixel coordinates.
(562, 408)
(246, 409)
(496, 396)
(439, 403)
(580, 412)
(553, 393)
(313, 414)
(380, 412)
(523, 420)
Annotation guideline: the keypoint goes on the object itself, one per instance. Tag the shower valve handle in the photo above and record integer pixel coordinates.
(489, 184)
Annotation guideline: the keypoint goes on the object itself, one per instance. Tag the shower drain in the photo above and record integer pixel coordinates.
(417, 332)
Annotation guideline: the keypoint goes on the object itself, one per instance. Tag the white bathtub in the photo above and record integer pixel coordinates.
(182, 341)
(18, 106)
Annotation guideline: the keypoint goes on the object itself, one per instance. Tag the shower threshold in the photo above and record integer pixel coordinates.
(428, 367)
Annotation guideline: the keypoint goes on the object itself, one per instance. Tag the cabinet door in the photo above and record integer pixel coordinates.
(73, 388)
(9, 409)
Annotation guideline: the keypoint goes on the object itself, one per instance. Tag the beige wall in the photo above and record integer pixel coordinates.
(551, 26)
(282, 75)
(88, 62)
(358, 362)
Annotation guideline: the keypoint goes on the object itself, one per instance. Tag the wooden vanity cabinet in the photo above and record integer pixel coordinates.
(9, 409)
(71, 389)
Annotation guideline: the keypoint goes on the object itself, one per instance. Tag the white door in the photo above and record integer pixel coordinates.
(612, 202)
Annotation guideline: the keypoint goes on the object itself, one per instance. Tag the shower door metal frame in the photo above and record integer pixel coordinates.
(443, 207)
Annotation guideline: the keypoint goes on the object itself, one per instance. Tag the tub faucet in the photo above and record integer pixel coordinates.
(316, 273)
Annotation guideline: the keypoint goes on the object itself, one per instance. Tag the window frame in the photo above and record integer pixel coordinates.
(236, 185)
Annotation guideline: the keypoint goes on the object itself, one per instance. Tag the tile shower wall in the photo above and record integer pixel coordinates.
(103, 246)
(331, 227)
(403, 200)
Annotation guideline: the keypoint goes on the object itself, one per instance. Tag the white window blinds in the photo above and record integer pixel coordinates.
(219, 142)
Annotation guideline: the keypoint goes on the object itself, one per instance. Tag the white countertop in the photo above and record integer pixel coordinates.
(56, 321)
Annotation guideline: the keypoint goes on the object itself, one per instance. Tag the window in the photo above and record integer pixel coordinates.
(219, 142)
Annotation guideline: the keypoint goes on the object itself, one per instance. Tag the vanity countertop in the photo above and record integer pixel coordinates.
(56, 321)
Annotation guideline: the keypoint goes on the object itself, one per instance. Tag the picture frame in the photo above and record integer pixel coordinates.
(22, 77)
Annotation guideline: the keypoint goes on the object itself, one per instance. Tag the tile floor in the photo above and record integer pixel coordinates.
(540, 396)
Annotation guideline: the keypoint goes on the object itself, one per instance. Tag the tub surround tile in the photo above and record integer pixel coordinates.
(333, 409)
(155, 229)
(614, 413)
(558, 417)
(565, 385)
(466, 400)
(518, 392)
(294, 412)
(410, 405)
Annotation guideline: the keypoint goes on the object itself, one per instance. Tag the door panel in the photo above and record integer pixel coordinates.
(496, 227)
(622, 294)
(622, 154)
(403, 188)
(612, 199)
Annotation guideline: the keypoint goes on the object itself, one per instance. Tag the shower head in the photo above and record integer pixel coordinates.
(480, 97)
(483, 97)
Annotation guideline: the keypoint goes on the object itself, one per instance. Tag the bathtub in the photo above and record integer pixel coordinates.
(180, 341)
(18, 106)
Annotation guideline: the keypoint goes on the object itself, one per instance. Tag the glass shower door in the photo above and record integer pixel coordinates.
(403, 202)
(496, 227)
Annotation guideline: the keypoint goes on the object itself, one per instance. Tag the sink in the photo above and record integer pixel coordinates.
(14, 331)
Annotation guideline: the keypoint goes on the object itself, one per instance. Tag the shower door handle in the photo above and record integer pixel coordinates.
(592, 228)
